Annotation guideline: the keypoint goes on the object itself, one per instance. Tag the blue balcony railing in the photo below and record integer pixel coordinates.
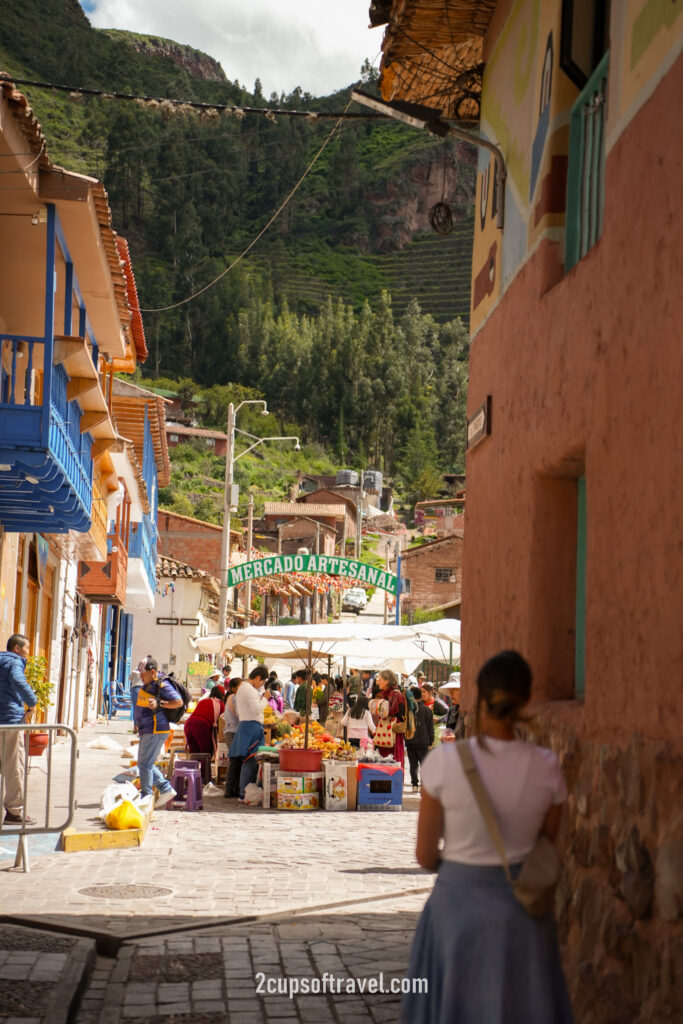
(45, 460)
(45, 477)
(143, 545)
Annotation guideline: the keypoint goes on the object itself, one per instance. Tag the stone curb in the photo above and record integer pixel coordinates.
(67, 994)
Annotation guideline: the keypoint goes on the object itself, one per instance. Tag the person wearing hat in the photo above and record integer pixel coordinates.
(217, 681)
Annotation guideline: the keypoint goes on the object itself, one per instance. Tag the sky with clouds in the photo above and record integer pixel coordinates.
(319, 45)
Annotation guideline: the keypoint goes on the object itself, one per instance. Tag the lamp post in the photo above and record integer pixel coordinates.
(230, 496)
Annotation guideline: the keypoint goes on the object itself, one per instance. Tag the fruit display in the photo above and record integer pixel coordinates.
(269, 716)
(318, 739)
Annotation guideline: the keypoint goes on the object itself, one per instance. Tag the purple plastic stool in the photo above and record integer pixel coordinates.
(187, 782)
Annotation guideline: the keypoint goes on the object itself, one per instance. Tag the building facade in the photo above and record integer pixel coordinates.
(574, 475)
(73, 485)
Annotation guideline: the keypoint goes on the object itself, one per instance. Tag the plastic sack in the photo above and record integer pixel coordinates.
(253, 795)
(115, 793)
(211, 790)
(103, 743)
(124, 815)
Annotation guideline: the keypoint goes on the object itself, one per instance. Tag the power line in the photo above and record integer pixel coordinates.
(283, 204)
(168, 104)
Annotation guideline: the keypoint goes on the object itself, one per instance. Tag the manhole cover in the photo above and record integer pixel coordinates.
(126, 892)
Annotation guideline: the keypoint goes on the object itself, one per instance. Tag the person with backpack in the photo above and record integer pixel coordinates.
(423, 736)
(155, 700)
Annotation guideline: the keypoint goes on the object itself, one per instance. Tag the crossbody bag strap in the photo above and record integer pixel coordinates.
(482, 798)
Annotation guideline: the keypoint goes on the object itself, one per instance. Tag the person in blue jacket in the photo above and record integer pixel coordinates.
(15, 696)
(153, 697)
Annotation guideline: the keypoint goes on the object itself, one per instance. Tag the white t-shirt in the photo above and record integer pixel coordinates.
(248, 704)
(358, 728)
(522, 781)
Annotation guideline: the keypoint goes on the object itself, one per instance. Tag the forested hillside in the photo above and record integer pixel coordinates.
(344, 313)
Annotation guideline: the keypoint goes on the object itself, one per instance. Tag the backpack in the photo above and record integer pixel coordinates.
(175, 714)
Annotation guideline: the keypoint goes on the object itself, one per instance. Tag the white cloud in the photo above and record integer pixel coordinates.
(316, 44)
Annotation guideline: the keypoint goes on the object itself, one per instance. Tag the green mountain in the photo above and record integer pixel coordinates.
(344, 312)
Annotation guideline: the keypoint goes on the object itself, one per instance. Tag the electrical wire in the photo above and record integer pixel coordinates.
(283, 204)
(230, 108)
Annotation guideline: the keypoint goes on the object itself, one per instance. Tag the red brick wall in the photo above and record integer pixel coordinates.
(195, 543)
(420, 568)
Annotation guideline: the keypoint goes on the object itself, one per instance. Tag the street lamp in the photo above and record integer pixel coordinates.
(231, 494)
(418, 116)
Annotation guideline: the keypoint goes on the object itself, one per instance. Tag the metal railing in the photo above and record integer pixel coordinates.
(22, 830)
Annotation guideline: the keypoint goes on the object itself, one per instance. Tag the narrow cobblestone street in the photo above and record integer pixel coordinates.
(218, 913)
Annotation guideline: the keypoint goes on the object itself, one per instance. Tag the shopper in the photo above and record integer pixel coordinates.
(389, 738)
(249, 735)
(484, 957)
(358, 721)
(423, 737)
(231, 721)
(289, 693)
(202, 726)
(275, 700)
(154, 729)
(14, 694)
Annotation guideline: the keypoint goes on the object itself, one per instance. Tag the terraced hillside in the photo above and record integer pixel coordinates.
(433, 269)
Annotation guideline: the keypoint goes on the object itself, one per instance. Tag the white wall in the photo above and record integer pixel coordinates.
(163, 642)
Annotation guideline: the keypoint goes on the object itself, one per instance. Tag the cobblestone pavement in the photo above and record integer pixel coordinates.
(294, 877)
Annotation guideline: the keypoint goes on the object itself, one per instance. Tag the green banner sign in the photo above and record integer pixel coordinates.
(329, 564)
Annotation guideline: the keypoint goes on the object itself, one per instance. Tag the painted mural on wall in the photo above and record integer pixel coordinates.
(652, 32)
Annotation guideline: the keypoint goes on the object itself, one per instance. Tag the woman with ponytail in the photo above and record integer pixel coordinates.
(486, 958)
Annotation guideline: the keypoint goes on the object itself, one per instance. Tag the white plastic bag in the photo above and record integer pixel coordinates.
(253, 795)
(103, 743)
(211, 790)
(113, 794)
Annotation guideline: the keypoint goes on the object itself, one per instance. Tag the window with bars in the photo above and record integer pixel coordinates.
(444, 575)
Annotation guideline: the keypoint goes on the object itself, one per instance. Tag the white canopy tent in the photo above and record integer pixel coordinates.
(372, 646)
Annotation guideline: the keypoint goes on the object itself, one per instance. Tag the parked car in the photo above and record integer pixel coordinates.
(354, 600)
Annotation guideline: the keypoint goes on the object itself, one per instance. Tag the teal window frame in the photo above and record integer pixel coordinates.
(580, 623)
(586, 171)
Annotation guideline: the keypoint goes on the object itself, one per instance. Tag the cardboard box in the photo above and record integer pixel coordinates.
(299, 782)
(268, 783)
(380, 787)
(340, 788)
(298, 801)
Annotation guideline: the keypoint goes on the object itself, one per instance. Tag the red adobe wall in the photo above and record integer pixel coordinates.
(589, 374)
(191, 541)
(586, 376)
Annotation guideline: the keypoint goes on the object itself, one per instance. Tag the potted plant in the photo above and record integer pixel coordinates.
(36, 677)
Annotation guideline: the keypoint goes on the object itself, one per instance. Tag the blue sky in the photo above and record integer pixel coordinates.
(316, 44)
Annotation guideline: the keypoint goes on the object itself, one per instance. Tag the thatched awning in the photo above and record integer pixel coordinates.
(432, 52)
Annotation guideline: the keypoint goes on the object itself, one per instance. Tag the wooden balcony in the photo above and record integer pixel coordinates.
(105, 583)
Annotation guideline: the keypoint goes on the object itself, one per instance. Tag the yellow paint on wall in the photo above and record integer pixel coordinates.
(652, 28)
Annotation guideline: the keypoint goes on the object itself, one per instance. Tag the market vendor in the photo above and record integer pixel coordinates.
(249, 736)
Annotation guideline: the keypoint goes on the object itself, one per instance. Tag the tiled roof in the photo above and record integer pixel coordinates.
(136, 326)
(181, 428)
(128, 404)
(171, 568)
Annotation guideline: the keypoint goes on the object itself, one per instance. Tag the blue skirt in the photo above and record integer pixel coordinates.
(484, 958)
(248, 738)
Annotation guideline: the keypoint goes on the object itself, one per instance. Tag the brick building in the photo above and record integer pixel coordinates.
(193, 541)
(433, 572)
(214, 441)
